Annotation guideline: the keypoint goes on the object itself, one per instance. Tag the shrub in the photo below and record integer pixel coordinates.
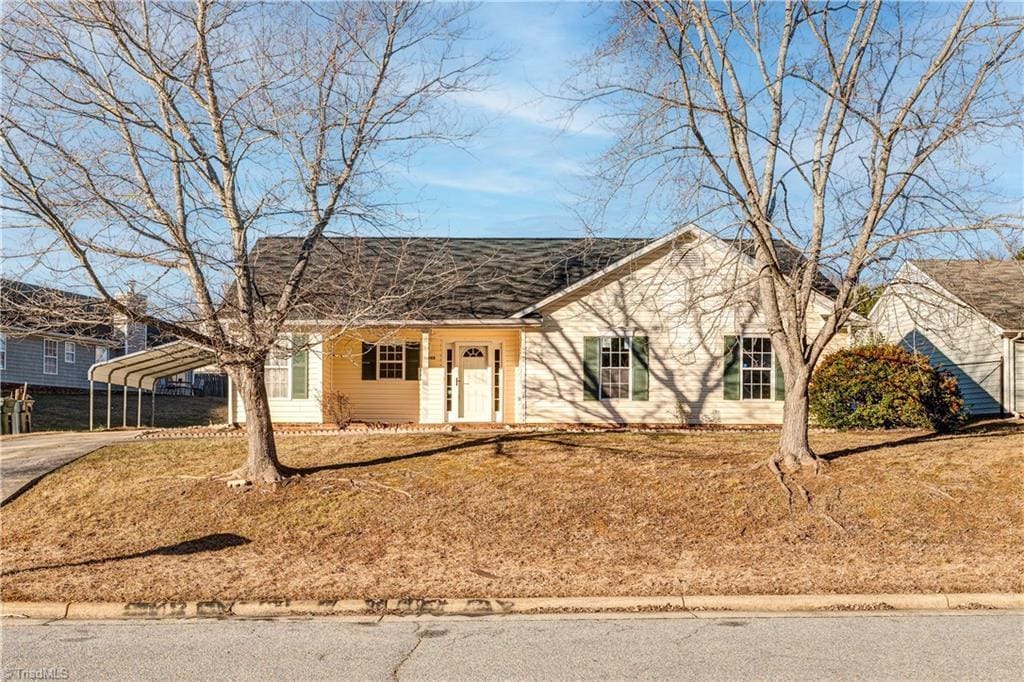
(884, 386)
(337, 407)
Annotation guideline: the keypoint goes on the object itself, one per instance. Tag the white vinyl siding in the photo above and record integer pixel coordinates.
(50, 356)
(684, 332)
(69, 352)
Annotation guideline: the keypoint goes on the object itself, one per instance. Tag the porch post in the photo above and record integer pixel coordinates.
(108, 403)
(520, 401)
(92, 407)
(231, 402)
(425, 383)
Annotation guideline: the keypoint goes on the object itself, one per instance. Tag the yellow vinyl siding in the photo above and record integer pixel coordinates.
(393, 401)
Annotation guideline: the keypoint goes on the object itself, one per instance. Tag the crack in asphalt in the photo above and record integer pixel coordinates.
(408, 655)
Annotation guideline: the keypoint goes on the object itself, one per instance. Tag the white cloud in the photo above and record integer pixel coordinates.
(536, 109)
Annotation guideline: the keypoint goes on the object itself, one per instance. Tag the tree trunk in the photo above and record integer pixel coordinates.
(261, 465)
(794, 449)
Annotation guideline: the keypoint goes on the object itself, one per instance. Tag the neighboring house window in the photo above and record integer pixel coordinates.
(614, 368)
(756, 368)
(391, 360)
(102, 354)
(278, 371)
(69, 352)
(3, 351)
(49, 356)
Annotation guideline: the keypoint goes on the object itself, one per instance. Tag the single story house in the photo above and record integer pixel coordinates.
(967, 316)
(527, 331)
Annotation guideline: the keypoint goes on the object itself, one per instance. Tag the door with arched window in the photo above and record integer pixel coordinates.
(475, 402)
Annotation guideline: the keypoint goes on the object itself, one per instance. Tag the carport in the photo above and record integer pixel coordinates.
(141, 370)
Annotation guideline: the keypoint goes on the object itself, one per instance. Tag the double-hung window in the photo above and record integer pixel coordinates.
(102, 354)
(391, 361)
(49, 356)
(3, 351)
(277, 371)
(756, 368)
(69, 352)
(614, 373)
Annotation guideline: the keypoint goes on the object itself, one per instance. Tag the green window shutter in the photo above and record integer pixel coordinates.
(412, 362)
(300, 368)
(780, 378)
(369, 362)
(590, 367)
(641, 368)
(731, 375)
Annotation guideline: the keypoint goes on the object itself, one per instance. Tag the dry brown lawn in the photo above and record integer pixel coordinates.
(463, 515)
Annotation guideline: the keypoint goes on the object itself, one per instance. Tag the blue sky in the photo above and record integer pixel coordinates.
(523, 174)
(526, 172)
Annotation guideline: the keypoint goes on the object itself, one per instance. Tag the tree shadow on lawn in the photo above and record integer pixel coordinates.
(497, 440)
(1002, 429)
(207, 543)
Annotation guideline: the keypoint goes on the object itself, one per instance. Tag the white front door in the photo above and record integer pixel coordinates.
(474, 384)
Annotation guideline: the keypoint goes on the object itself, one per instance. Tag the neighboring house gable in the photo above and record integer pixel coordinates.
(963, 316)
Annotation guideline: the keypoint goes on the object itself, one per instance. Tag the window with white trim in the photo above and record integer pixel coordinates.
(49, 356)
(756, 368)
(3, 351)
(102, 354)
(391, 361)
(614, 358)
(277, 370)
(69, 352)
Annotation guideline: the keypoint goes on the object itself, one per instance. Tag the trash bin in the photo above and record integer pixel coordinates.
(16, 416)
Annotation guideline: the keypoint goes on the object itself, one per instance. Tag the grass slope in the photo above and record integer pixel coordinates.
(70, 412)
(524, 514)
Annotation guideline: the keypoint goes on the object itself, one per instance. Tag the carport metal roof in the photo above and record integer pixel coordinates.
(142, 368)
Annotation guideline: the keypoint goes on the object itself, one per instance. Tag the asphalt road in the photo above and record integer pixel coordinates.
(713, 647)
(26, 458)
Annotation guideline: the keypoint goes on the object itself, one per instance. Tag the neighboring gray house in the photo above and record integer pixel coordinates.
(967, 316)
(49, 337)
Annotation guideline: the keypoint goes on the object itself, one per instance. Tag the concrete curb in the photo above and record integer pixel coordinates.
(483, 607)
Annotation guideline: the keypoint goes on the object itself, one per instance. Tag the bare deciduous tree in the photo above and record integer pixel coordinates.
(843, 131)
(157, 141)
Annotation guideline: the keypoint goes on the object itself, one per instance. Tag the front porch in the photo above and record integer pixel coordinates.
(441, 375)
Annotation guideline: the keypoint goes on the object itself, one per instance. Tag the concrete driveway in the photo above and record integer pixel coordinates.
(26, 458)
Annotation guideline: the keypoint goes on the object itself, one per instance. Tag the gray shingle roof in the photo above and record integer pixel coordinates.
(33, 308)
(995, 288)
(460, 278)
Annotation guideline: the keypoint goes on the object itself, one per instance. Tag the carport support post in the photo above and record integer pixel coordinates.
(108, 405)
(92, 406)
(152, 413)
(124, 406)
(138, 416)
